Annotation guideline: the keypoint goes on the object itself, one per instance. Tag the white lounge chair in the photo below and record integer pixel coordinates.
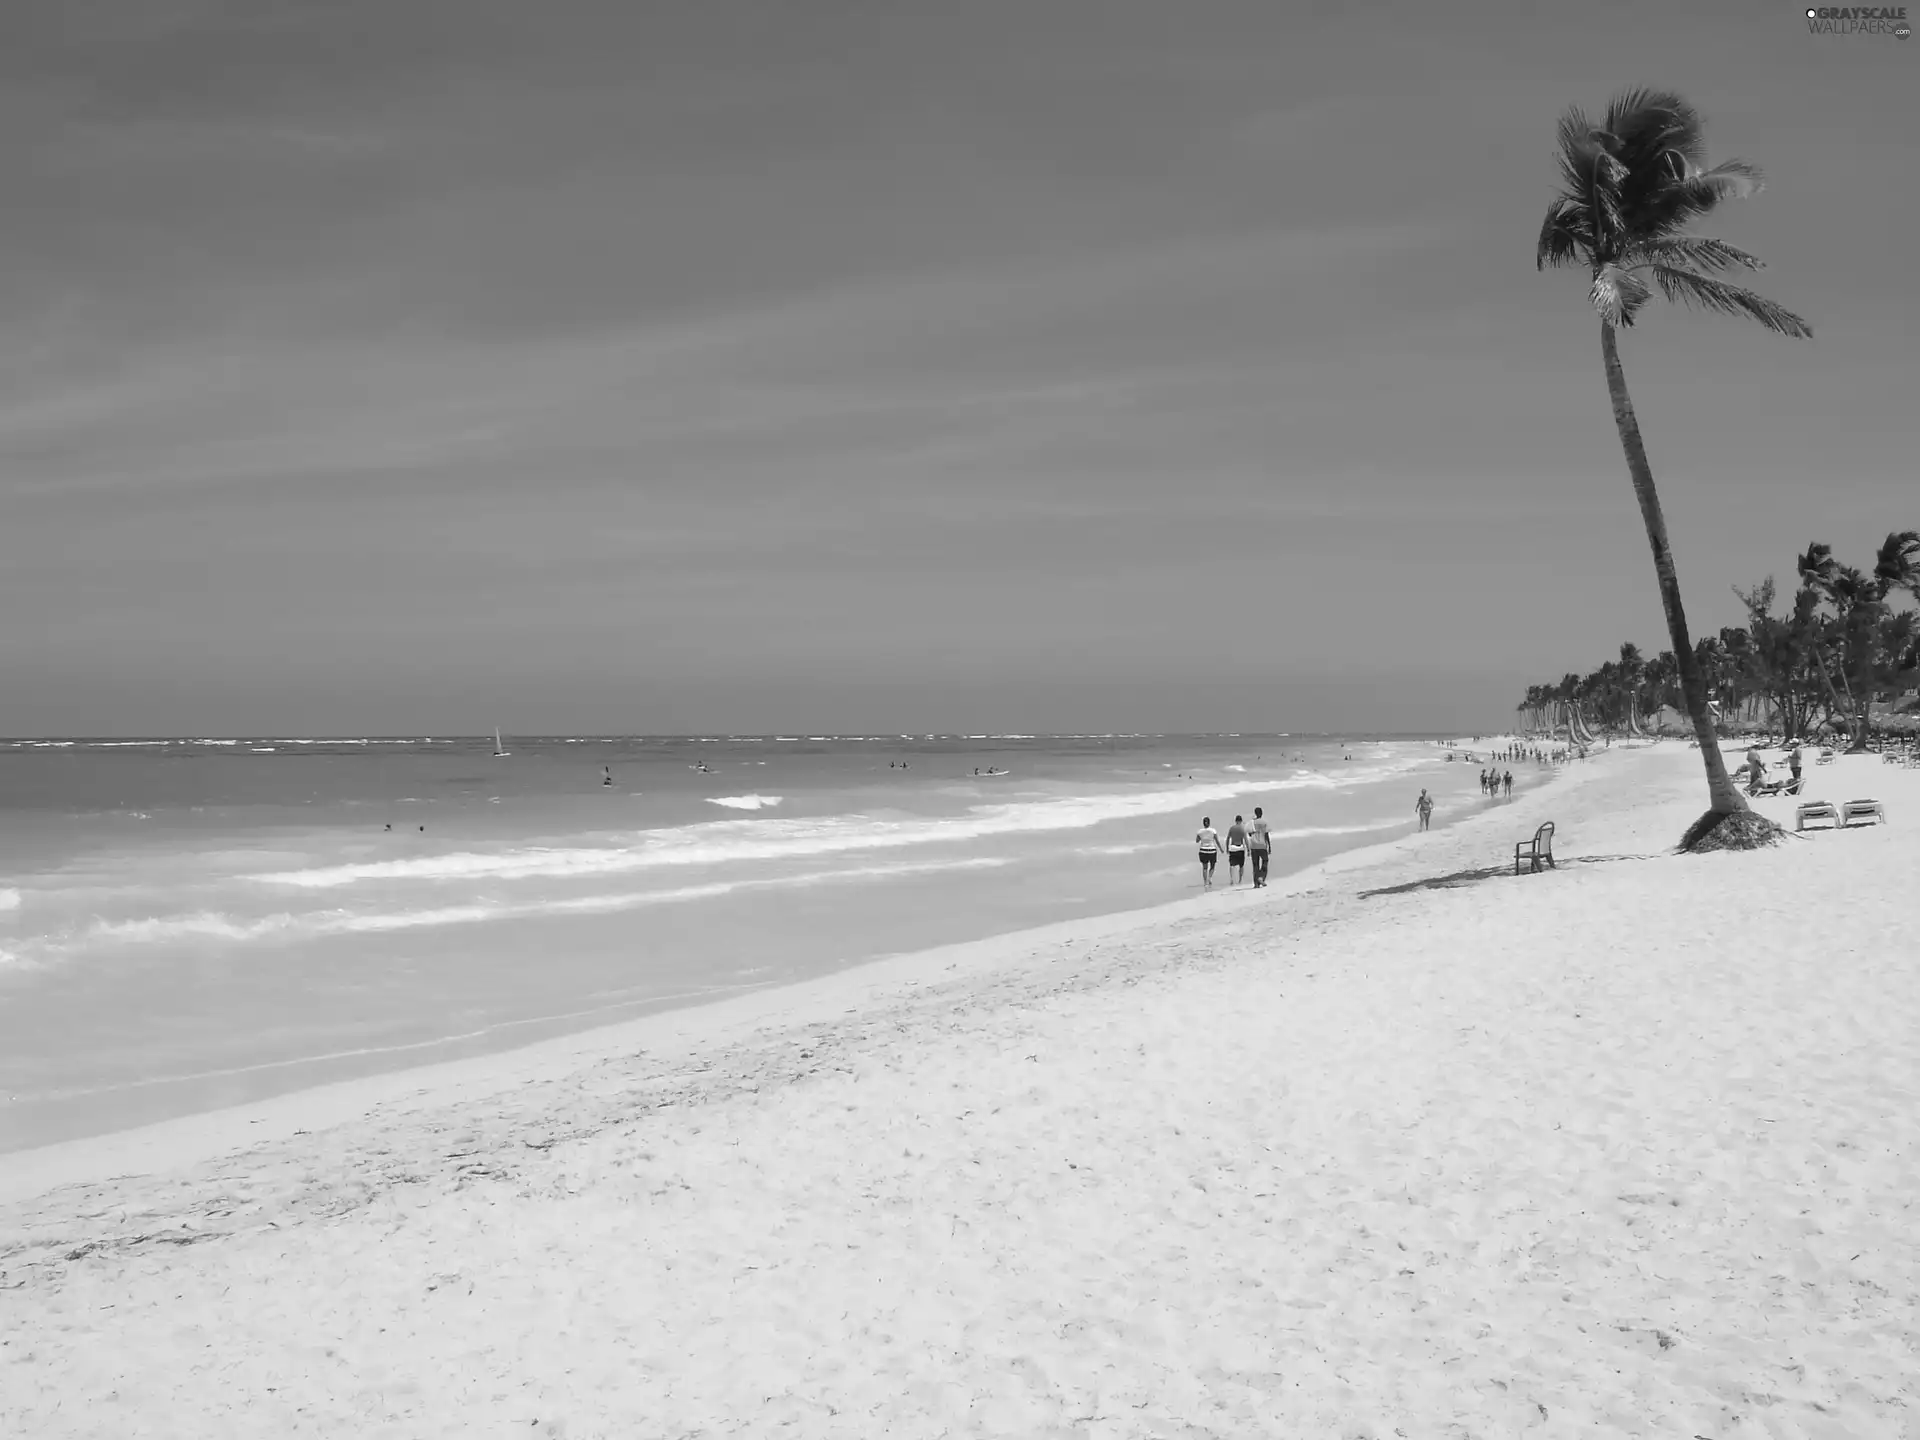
(1825, 757)
(1815, 810)
(1863, 811)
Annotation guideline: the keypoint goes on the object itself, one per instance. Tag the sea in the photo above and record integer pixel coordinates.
(188, 924)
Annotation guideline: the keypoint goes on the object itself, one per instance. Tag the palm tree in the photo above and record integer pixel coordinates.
(1630, 186)
(1633, 672)
(1859, 603)
(1657, 683)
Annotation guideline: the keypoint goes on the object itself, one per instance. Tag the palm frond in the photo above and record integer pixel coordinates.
(1659, 139)
(1618, 294)
(1694, 252)
(1730, 180)
(1898, 563)
(1591, 177)
(1563, 234)
(1692, 288)
(1652, 122)
(1658, 204)
(1573, 130)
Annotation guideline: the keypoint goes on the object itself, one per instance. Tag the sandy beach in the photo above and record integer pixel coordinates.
(1403, 1145)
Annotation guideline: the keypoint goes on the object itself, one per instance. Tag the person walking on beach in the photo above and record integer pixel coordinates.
(1423, 807)
(1260, 846)
(1507, 781)
(1236, 851)
(1793, 764)
(1209, 842)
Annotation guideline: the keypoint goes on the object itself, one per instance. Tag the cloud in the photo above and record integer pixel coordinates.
(951, 359)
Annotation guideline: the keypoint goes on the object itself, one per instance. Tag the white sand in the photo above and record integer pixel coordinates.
(1630, 1148)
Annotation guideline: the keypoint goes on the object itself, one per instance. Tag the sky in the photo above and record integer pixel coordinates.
(415, 366)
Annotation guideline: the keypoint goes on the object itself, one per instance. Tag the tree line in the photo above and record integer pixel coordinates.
(1841, 646)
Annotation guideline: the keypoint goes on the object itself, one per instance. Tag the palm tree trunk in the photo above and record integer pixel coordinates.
(1835, 705)
(1723, 799)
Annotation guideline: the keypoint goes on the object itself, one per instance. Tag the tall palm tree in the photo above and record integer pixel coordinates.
(1629, 188)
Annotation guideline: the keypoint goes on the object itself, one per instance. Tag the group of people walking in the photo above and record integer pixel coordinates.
(1256, 840)
(1241, 841)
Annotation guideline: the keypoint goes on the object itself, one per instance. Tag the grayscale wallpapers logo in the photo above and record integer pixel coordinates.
(1859, 20)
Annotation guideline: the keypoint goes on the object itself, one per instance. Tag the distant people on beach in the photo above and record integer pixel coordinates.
(1423, 807)
(1236, 851)
(606, 775)
(1260, 846)
(1209, 841)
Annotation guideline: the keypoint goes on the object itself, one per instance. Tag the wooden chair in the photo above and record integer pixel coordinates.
(1863, 811)
(1533, 851)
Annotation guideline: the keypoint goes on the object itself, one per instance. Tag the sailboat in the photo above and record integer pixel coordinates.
(498, 748)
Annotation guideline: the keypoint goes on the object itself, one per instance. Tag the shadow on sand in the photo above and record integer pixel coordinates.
(1488, 872)
(1440, 882)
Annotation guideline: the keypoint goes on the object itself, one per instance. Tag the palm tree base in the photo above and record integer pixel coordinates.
(1730, 830)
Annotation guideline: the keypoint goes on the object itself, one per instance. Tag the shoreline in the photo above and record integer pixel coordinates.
(1622, 1147)
(669, 1032)
(112, 1031)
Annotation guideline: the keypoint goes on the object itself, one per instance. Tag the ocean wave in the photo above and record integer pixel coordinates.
(719, 841)
(745, 802)
(215, 925)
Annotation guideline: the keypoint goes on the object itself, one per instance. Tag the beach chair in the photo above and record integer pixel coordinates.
(1825, 757)
(1863, 812)
(1533, 851)
(1815, 810)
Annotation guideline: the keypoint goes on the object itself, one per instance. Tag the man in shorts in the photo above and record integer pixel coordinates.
(1209, 841)
(1237, 851)
(1260, 846)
